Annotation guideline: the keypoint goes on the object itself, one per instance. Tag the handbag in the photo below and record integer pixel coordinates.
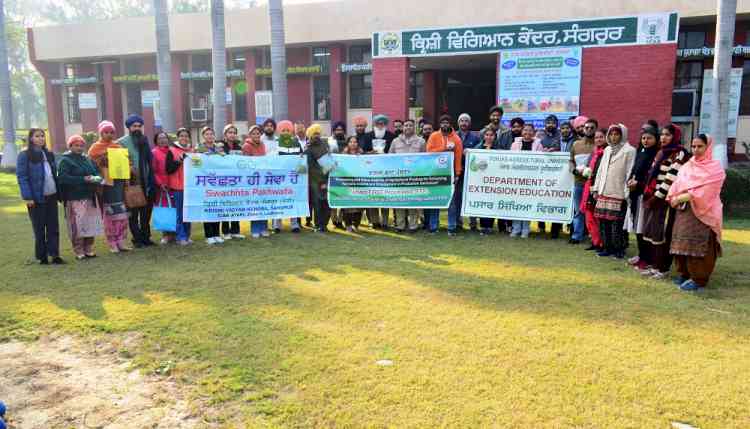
(134, 197)
(164, 218)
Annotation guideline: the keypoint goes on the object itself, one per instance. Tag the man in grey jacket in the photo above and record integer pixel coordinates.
(504, 136)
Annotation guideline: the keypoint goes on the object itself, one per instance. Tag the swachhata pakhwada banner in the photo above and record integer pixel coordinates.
(523, 185)
(235, 187)
(409, 181)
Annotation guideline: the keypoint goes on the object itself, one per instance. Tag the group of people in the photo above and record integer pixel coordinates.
(664, 194)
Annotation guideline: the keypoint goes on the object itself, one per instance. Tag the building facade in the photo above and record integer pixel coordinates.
(405, 59)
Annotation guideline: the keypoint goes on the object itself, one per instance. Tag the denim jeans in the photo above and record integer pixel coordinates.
(432, 217)
(454, 210)
(579, 219)
(521, 227)
(183, 228)
(258, 226)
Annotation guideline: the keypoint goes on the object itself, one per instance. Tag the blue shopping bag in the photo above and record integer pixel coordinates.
(164, 217)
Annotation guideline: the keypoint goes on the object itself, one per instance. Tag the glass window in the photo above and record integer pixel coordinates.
(201, 62)
(745, 94)
(691, 39)
(71, 102)
(201, 96)
(133, 97)
(238, 61)
(416, 89)
(360, 54)
(322, 98)
(132, 66)
(360, 91)
(689, 75)
(321, 57)
(239, 98)
(71, 71)
(263, 58)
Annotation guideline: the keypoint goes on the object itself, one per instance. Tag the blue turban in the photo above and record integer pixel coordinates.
(132, 119)
(380, 118)
(339, 124)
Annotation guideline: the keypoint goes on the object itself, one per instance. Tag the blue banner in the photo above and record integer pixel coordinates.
(236, 187)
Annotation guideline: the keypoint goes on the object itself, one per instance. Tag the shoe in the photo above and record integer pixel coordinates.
(349, 229)
(690, 286)
(210, 241)
(163, 241)
(398, 230)
(619, 255)
(634, 260)
(658, 275)
(149, 243)
(295, 230)
(125, 249)
(485, 231)
(218, 240)
(265, 233)
(524, 236)
(238, 236)
(648, 272)
(592, 247)
(90, 255)
(339, 225)
(80, 257)
(433, 231)
(43, 261)
(277, 230)
(138, 245)
(375, 226)
(514, 235)
(451, 233)
(227, 237)
(642, 265)
(571, 241)
(679, 280)
(254, 235)
(603, 254)
(183, 242)
(114, 250)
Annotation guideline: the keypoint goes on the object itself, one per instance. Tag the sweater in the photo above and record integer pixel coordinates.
(668, 169)
(31, 175)
(316, 149)
(439, 143)
(71, 175)
(403, 144)
(614, 170)
(579, 153)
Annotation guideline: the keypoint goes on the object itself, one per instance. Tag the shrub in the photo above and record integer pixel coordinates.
(736, 191)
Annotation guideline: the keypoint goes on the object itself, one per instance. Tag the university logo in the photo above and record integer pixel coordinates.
(442, 161)
(652, 29)
(390, 44)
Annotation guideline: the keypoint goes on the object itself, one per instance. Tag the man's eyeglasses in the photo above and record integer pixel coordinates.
(588, 127)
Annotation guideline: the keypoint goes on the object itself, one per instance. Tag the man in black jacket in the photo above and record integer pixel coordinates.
(139, 152)
(378, 141)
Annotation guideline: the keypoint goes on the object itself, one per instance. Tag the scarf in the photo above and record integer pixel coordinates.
(702, 178)
(624, 133)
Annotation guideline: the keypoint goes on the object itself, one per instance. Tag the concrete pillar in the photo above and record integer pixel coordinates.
(337, 83)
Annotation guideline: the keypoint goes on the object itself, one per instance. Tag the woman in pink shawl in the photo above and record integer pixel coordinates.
(696, 236)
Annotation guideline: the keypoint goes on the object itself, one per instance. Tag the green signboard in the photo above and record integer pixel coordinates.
(630, 30)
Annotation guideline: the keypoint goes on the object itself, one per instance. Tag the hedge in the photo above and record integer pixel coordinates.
(736, 191)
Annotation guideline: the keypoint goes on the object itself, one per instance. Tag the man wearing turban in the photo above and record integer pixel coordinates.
(140, 155)
(378, 141)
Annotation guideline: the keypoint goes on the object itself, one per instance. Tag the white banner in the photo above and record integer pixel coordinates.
(536, 186)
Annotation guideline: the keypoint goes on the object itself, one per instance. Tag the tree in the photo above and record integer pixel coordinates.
(6, 103)
(725, 17)
(164, 65)
(278, 59)
(219, 63)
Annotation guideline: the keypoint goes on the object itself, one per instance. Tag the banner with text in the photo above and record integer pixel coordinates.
(409, 181)
(535, 83)
(534, 186)
(235, 187)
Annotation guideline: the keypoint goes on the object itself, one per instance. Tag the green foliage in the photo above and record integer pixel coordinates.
(736, 191)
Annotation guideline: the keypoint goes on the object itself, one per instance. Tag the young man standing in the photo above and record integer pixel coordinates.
(504, 136)
(407, 142)
(469, 140)
(446, 140)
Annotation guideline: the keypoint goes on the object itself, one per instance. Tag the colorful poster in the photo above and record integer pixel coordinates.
(409, 181)
(118, 163)
(87, 100)
(236, 187)
(707, 110)
(535, 83)
(535, 186)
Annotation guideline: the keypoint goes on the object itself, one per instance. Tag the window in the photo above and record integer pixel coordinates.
(416, 89)
(201, 96)
(133, 66)
(321, 56)
(689, 75)
(745, 94)
(71, 71)
(239, 97)
(360, 91)
(322, 98)
(360, 54)
(133, 99)
(691, 39)
(263, 58)
(201, 62)
(238, 61)
(71, 103)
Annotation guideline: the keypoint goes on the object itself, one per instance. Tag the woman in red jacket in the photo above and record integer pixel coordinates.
(175, 180)
(161, 178)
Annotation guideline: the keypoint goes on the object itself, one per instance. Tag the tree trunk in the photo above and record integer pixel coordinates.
(10, 151)
(164, 66)
(278, 60)
(219, 64)
(725, 18)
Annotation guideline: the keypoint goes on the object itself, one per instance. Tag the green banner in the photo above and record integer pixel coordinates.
(408, 181)
(630, 30)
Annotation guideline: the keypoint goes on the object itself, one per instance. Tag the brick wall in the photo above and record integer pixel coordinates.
(628, 84)
(390, 87)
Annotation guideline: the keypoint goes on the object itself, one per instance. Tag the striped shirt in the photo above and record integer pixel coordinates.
(668, 172)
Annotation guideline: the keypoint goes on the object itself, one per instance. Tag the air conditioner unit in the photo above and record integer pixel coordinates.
(684, 103)
(199, 115)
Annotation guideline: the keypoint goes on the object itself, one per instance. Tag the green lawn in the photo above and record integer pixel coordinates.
(482, 331)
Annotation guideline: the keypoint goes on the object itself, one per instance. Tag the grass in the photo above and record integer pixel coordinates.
(482, 331)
